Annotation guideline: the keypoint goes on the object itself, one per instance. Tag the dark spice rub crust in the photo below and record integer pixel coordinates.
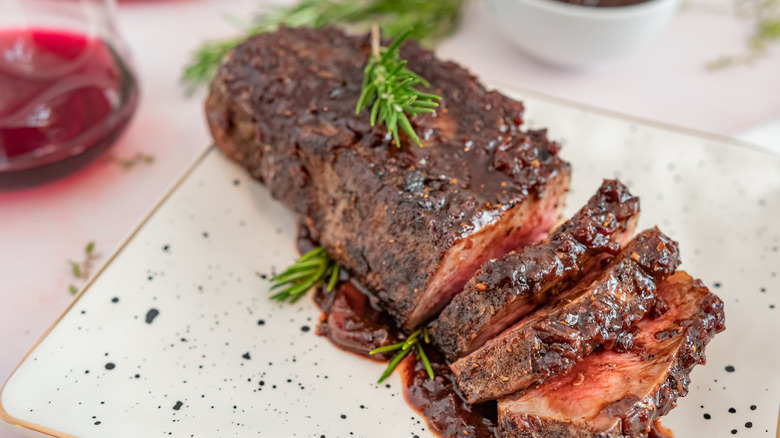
(504, 290)
(611, 394)
(411, 223)
(600, 310)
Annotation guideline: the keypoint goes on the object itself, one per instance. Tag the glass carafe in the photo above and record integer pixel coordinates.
(67, 89)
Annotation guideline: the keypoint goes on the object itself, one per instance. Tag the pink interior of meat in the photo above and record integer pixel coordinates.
(518, 308)
(606, 377)
(514, 313)
(503, 319)
(519, 226)
(588, 388)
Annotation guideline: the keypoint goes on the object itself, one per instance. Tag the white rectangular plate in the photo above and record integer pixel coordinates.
(220, 360)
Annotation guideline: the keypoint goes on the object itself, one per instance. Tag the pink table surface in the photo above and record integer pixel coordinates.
(40, 229)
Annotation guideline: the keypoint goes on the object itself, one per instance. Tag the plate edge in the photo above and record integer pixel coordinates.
(503, 87)
(13, 421)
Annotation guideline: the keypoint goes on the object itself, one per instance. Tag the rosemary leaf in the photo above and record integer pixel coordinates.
(390, 85)
(412, 343)
(386, 348)
(426, 362)
(334, 277)
(76, 268)
(393, 363)
(312, 269)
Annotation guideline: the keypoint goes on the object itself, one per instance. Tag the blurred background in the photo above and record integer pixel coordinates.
(705, 72)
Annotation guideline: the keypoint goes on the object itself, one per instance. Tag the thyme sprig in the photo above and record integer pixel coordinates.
(765, 18)
(388, 87)
(81, 269)
(128, 164)
(429, 21)
(312, 269)
(412, 343)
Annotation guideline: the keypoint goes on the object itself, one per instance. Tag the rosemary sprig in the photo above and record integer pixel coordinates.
(429, 21)
(389, 85)
(412, 343)
(312, 269)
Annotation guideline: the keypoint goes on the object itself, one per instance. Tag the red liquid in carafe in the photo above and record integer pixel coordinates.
(64, 98)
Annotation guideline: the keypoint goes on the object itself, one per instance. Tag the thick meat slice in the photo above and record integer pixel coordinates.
(610, 394)
(598, 310)
(504, 290)
(411, 223)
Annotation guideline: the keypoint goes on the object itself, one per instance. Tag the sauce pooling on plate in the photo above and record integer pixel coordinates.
(353, 321)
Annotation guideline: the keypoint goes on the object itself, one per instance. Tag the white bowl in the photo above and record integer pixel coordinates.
(578, 37)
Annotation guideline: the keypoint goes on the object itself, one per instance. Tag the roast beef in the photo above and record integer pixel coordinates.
(610, 394)
(597, 311)
(504, 290)
(411, 223)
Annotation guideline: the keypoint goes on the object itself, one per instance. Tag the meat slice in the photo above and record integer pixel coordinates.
(612, 394)
(504, 290)
(410, 223)
(598, 310)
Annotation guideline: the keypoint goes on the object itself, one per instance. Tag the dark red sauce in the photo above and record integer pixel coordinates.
(603, 3)
(64, 98)
(352, 320)
(441, 404)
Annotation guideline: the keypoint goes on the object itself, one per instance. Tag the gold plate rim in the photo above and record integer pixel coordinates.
(13, 421)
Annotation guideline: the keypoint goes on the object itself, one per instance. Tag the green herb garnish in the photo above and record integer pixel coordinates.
(310, 270)
(129, 163)
(412, 343)
(429, 20)
(765, 18)
(389, 85)
(81, 269)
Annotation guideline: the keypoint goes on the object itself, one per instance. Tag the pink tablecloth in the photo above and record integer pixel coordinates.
(40, 229)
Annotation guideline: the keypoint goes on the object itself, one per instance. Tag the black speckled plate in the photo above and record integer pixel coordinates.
(176, 335)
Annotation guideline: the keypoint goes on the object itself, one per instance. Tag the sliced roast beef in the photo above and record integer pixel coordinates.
(504, 290)
(411, 223)
(613, 394)
(598, 310)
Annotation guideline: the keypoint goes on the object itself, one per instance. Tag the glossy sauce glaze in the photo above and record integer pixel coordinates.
(353, 321)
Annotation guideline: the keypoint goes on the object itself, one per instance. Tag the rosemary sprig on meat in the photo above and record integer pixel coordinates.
(412, 343)
(389, 85)
(312, 269)
(429, 20)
